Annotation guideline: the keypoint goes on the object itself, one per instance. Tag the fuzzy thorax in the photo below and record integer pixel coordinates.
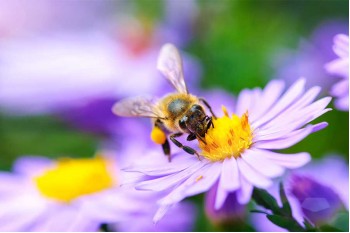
(229, 137)
(73, 178)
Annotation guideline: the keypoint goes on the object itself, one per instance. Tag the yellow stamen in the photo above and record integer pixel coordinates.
(72, 178)
(158, 136)
(229, 137)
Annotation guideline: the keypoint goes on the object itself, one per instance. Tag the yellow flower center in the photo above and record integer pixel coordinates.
(72, 178)
(229, 137)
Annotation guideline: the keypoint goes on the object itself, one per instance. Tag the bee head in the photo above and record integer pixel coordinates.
(195, 121)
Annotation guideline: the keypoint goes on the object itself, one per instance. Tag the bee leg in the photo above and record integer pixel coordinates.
(165, 145)
(191, 137)
(210, 123)
(185, 148)
(208, 106)
(166, 149)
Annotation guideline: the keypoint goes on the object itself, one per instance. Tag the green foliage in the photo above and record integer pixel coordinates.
(41, 135)
(280, 216)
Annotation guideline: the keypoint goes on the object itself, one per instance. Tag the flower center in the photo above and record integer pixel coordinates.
(229, 137)
(72, 178)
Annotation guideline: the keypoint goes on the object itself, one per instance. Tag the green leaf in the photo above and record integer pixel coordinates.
(308, 226)
(329, 228)
(341, 221)
(263, 198)
(287, 210)
(259, 212)
(285, 222)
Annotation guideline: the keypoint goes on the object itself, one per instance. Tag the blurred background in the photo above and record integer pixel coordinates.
(64, 63)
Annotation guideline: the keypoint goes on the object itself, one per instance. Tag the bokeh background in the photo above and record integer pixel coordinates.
(63, 64)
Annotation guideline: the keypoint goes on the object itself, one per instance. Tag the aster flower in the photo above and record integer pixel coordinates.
(238, 151)
(44, 16)
(308, 59)
(76, 195)
(317, 192)
(340, 68)
(45, 74)
(230, 213)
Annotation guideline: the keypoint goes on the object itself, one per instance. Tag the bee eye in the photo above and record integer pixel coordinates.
(197, 107)
(182, 123)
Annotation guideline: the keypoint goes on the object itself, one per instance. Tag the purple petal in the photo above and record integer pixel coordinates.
(180, 217)
(341, 45)
(221, 195)
(319, 126)
(153, 167)
(20, 221)
(297, 110)
(83, 224)
(288, 98)
(111, 206)
(288, 140)
(332, 171)
(229, 179)
(253, 176)
(339, 67)
(340, 89)
(255, 97)
(161, 212)
(286, 160)
(32, 165)
(307, 98)
(342, 103)
(197, 178)
(10, 183)
(231, 210)
(264, 166)
(270, 94)
(59, 218)
(244, 100)
(210, 176)
(245, 192)
(18, 212)
(165, 182)
(286, 123)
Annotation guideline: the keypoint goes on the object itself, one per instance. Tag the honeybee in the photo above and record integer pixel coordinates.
(176, 113)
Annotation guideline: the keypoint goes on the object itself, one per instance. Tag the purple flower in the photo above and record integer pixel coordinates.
(308, 59)
(340, 67)
(238, 151)
(78, 195)
(230, 212)
(319, 203)
(59, 71)
(181, 219)
(316, 192)
(43, 16)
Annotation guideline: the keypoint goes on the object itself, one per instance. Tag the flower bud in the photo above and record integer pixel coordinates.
(318, 202)
(229, 213)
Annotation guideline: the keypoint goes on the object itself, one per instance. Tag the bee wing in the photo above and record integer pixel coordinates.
(140, 106)
(170, 64)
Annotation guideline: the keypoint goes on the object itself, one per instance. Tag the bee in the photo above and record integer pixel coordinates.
(176, 113)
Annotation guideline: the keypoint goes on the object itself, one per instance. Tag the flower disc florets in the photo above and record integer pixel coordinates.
(73, 178)
(229, 137)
